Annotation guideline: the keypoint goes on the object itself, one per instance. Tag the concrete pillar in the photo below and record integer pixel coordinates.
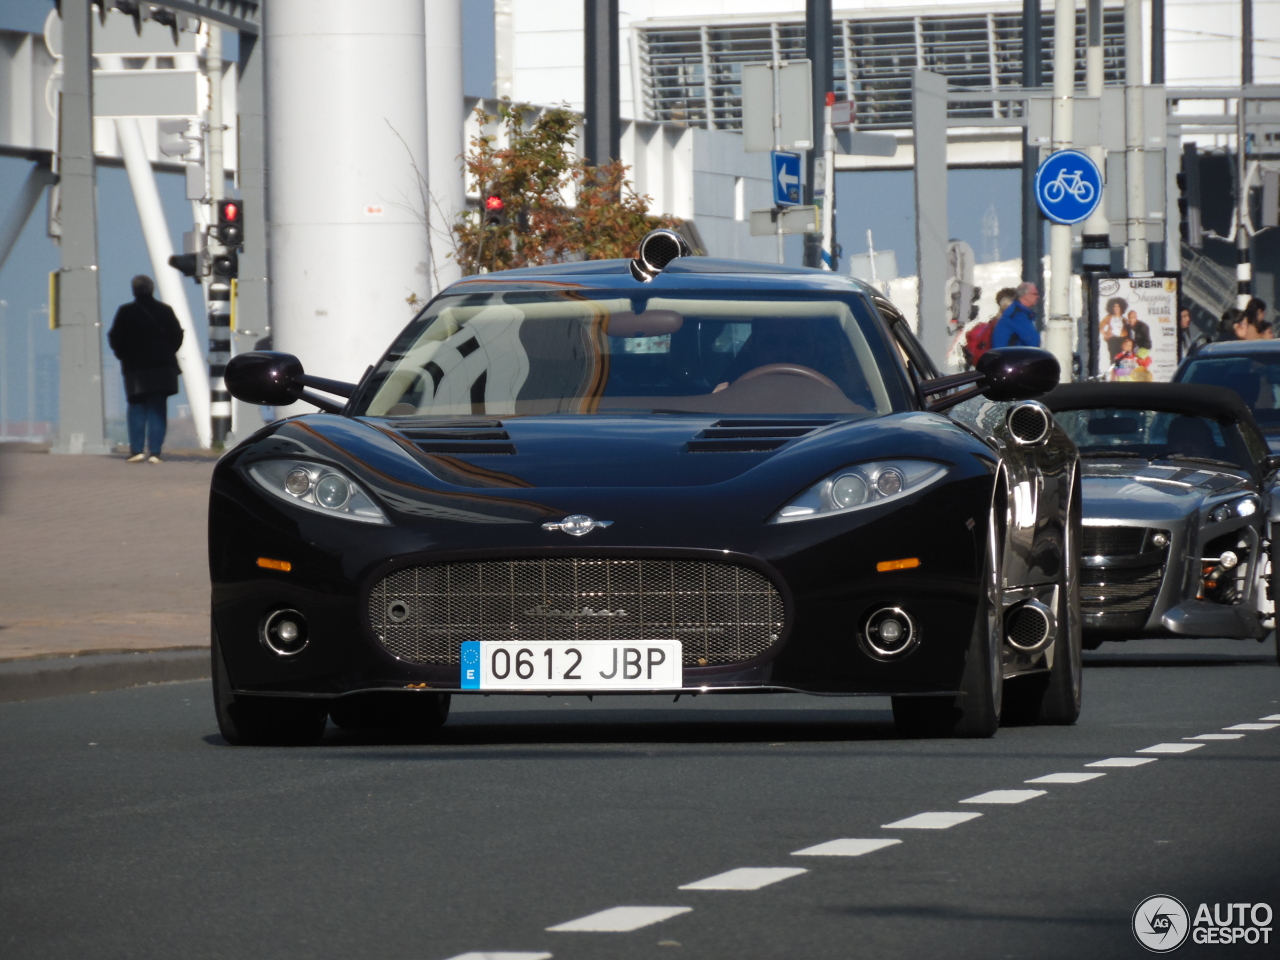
(445, 144)
(347, 149)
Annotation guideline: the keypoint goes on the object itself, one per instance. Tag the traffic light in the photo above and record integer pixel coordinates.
(188, 264)
(230, 229)
(1192, 226)
(495, 209)
(226, 266)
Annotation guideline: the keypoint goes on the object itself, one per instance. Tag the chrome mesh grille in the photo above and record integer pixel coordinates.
(722, 612)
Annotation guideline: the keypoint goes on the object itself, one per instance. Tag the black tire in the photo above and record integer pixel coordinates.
(390, 711)
(976, 711)
(1054, 697)
(262, 721)
(1273, 587)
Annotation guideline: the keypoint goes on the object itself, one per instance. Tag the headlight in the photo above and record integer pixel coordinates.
(860, 486)
(1244, 507)
(315, 487)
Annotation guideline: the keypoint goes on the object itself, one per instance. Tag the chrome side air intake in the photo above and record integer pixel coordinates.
(657, 249)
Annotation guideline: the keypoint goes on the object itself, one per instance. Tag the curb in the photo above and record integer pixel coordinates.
(36, 679)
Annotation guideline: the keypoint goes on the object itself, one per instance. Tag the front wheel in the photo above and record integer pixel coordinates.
(261, 721)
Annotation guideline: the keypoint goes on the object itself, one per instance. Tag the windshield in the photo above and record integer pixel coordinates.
(1152, 435)
(539, 353)
(1256, 378)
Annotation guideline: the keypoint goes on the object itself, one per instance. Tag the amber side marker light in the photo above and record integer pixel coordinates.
(284, 566)
(884, 566)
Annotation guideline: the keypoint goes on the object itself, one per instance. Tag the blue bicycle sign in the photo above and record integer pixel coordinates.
(1068, 186)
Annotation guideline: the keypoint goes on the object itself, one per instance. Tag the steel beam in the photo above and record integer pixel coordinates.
(81, 427)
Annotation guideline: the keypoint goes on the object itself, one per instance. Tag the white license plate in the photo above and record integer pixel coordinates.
(589, 665)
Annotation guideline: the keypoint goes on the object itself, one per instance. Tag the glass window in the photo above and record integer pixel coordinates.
(1255, 378)
(536, 353)
(1153, 435)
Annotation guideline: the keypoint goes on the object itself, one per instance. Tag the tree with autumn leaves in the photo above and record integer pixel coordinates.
(535, 174)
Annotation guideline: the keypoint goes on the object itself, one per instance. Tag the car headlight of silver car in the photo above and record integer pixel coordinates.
(1242, 507)
(859, 486)
(314, 486)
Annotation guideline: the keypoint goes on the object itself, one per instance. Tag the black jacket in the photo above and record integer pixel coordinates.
(145, 337)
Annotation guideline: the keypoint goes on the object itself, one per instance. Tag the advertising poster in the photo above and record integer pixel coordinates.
(1135, 327)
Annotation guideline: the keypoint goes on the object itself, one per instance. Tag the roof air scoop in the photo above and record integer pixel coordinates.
(657, 249)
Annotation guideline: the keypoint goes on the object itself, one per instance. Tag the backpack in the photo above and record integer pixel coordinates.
(977, 340)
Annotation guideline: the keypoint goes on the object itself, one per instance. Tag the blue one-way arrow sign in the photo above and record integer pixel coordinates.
(786, 178)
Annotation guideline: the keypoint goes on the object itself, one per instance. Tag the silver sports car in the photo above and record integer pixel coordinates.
(1178, 506)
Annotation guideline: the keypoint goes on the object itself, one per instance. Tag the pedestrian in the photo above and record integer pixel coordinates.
(1231, 325)
(1256, 311)
(145, 337)
(1017, 325)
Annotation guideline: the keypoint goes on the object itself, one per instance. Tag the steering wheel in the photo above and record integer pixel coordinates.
(788, 369)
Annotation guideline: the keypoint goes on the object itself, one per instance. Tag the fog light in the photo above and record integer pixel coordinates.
(888, 633)
(1160, 540)
(284, 632)
(1228, 559)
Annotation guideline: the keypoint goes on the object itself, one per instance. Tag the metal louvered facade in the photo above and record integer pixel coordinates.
(692, 73)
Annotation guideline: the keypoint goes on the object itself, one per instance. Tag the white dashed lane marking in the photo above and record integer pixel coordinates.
(1171, 748)
(935, 820)
(1253, 726)
(501, 955)
(848, 847)
(745, 878)
(1121, 762)
(1005, 796)
(619, 920)
(1274, 716)
(1066, 778)
(1217, 736)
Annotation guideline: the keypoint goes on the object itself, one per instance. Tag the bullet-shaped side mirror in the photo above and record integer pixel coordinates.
(1017, 373)
(265, 377)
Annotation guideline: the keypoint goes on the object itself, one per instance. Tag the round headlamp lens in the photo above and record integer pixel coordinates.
(849, 491)
(1246, 508)
(297, 482)
(333, 492)
(890, 482)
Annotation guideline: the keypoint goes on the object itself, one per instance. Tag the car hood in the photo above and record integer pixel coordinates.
(1139, 490)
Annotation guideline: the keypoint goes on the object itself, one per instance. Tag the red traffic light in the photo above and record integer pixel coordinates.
(229, 211)
(493, 202)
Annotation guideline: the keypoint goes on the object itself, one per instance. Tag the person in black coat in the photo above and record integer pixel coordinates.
(145, 337)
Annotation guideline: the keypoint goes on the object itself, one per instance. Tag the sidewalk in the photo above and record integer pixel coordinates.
(98, 556)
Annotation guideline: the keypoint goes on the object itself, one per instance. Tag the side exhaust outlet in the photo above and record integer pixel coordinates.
(1028, 626)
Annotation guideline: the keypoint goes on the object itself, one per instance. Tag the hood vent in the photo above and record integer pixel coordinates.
(458, 436)
(751, 436)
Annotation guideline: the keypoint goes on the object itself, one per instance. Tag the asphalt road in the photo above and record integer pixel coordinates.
(128, 828)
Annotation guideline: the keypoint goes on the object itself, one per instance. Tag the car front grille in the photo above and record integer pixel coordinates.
(1121, 576)
(723, 613)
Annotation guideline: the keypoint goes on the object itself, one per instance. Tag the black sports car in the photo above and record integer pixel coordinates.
(1177, 511)
(670, 475)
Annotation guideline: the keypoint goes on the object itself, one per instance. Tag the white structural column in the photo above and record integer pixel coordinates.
(444, 136)
(1135, 166)
(146, 197)
(347, 150)
(1060, 325)
(1097, 229)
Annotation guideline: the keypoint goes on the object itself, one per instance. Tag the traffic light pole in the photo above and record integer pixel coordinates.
(219, 289)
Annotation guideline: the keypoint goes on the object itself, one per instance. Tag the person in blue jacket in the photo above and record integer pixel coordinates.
(1017, 325)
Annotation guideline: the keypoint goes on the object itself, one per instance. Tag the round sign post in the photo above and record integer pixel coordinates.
(1068, 186)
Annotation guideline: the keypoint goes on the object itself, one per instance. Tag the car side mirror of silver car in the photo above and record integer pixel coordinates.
(1005, 373)
(270, 378)
(1270, 464)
